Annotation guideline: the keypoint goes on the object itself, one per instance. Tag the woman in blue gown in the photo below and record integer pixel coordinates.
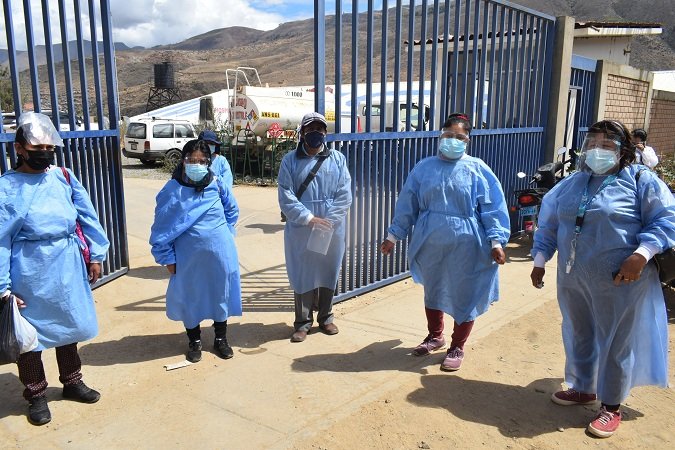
(455, 208)
(606, 222)
(41, 262)
(193, 235)
(219, 165)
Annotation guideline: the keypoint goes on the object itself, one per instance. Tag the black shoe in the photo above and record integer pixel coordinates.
(223, 348)
(194, 353)
(81, 393)
(38, 411)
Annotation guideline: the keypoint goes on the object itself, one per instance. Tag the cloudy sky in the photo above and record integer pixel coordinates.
(155, 22)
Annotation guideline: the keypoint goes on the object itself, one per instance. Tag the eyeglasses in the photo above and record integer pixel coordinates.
(203, 162)
(451, 135)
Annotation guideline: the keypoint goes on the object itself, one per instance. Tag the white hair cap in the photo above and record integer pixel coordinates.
(38, 129)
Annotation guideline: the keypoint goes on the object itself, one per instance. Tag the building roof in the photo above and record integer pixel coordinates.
(461, 38)
(604, 29)
(581, 29)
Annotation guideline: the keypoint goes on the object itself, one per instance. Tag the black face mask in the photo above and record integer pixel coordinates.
(38, 159)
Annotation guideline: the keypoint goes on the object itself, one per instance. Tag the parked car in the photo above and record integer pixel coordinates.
(154, 139)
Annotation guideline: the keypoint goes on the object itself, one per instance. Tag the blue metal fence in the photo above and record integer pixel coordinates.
(84, 107)
(411, 64)
(583, 78)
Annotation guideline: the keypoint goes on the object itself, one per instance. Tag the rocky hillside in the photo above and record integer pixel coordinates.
(283, 56)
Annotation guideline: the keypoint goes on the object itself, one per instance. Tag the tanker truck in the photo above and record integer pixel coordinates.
(260, 109)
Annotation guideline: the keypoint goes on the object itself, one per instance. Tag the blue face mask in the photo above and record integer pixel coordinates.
(452, 148)
(314, 139)
(196, 172)
(600, 161)
(212, 148)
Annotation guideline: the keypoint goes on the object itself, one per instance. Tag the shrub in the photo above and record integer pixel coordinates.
(666, 170)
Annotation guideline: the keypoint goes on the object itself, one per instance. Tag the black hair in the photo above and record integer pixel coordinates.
(458, 118)
(20, 137)
(640, 133)
(189, 148)
(614, 128)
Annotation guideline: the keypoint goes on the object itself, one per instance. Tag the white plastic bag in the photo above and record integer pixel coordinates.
(25, 333)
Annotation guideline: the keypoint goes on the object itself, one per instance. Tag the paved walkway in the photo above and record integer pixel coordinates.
(272, 392)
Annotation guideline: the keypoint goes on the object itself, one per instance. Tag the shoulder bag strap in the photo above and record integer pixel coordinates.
(311, 175)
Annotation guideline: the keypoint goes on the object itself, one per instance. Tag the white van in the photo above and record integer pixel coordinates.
(376, 113)
(154, 139)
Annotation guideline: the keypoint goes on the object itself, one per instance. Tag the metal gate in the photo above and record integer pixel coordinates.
(581, 101)
(51, 69)
(395, 73)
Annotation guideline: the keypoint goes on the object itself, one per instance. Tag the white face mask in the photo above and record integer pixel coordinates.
(600, 160)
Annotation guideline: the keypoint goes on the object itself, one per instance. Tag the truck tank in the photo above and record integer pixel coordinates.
(259, 108)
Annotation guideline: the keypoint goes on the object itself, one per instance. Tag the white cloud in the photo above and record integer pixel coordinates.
(155, 22)
(149, 22)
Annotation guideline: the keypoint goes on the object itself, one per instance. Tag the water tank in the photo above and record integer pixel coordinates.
(164, 76)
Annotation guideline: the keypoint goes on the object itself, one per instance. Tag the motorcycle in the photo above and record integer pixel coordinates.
(529, 199)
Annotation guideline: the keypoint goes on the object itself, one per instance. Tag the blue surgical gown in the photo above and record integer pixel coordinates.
(454, 208)
(221, 168)
(40, 257)
(195, 231)
(328, 196)
(615, 337)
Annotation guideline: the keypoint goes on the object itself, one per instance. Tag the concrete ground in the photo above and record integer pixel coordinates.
(272, 394)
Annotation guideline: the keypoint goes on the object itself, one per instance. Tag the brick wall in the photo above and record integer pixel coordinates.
(660, 134)
(626, 101)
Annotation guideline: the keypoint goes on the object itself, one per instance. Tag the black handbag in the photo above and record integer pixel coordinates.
(666, 264)
(665, 261)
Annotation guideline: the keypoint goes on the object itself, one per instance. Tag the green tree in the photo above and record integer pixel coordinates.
(6, 95)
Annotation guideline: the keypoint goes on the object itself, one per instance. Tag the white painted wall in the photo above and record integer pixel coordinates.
(615, 49)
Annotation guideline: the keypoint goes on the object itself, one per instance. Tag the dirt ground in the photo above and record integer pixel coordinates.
(500, 399)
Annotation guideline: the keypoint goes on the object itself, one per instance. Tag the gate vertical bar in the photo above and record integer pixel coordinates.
(320, 58)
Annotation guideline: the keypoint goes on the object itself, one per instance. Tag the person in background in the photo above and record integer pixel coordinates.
(607, 221)
(219, 165)
(323, 203)
(193, 236)
(644, 154)
(42, 264)
(455, 208)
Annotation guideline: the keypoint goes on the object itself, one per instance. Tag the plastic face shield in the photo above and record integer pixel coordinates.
(599, 143)
(38, 129)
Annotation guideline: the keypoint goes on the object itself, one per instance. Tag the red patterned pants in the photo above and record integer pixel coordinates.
(32, 373)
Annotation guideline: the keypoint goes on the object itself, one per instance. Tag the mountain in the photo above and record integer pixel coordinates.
(57, 52)
(283, 56)
(648, 52)
(217, 39)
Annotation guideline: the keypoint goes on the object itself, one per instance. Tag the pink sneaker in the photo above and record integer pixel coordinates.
(429, 345)
(572, 397)
(453, 360)
(605, 424)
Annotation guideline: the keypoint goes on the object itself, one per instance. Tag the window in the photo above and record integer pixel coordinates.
(136, 130)
(184, 131)
(374, 110)
(163, 131)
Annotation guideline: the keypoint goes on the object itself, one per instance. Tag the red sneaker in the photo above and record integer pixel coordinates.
(605, 424)
(428, 345)
(453, 360)
(572, 397)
